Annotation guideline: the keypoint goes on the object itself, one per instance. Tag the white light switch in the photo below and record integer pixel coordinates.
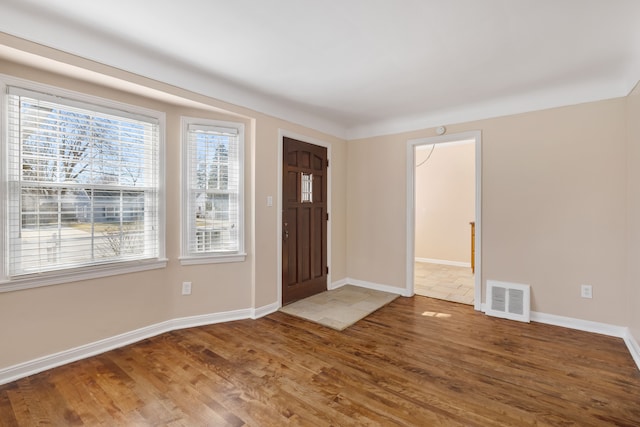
(269, 201)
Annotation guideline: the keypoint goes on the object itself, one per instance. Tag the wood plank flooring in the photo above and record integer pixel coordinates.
(415, 362)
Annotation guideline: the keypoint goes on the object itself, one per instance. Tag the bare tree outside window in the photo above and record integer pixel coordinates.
(84, 176)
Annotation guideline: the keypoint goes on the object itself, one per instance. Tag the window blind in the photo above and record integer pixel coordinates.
(214, 190)
(83, 184)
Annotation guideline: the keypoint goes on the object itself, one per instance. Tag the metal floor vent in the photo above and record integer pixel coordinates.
(508, 300)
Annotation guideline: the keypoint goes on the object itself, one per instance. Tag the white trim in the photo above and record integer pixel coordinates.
(4, 182)
(589, 326)
(412, 145)
(250, 198)
(40, 364)
(278, 235)
(411, 217)
(79, 274)
(72, 95)
(212, 259)
(21, 370)
(477, 298)
(579, 324)
(375, 286)
(282, 133)
(259, 312)
(633, 346)
(506, 106)
(444, 262)
(338, 284)
(453, 143)
(209, 319)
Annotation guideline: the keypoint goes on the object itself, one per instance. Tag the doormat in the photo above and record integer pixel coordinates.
(339, 308)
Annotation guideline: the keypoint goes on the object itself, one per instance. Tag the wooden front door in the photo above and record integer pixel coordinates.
(304, 220)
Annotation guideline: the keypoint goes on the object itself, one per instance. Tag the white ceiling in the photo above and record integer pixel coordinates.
(356, 68)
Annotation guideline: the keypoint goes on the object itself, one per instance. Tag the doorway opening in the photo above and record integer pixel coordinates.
(444, 217)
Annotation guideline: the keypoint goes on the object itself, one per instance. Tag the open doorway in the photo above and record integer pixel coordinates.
(444, 216)
(443, 212)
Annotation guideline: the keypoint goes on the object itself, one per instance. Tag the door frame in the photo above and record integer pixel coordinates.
(411, 169)
(282, 133)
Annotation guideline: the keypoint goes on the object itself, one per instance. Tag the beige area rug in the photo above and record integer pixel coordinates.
(339, 308)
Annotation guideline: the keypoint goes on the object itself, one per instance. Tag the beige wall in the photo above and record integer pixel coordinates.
(42, 321)
(633, 122)
(376, 210)
(553, 214)
(444, 201)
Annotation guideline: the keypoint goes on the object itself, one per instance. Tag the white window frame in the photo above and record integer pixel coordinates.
(188, 257)
(86, 272)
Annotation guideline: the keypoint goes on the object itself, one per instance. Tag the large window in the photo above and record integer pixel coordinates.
(82, 186)
(212, 191)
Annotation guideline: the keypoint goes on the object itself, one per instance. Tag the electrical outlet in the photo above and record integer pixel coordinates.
(186, 288)
(586, 291)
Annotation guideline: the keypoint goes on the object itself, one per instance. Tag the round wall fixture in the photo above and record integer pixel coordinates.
(440, 130)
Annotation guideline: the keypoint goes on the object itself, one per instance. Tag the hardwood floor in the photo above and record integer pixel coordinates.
(416, 362)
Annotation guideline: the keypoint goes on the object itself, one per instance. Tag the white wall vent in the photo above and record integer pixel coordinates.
(508, 300)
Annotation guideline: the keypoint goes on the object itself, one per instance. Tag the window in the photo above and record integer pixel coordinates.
(306, 187)
(212, 217)
(82, 187)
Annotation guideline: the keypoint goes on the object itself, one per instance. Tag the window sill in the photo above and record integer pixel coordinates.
(78, 274)
(212, 259)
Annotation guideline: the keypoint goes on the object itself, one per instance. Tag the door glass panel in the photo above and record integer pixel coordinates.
(307, 187)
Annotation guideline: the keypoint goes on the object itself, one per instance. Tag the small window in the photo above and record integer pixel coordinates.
(83, 186)
(306, 187)
(213, 217)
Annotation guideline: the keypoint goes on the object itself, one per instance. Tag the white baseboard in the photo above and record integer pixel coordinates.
(338, 284)
(579, 324)
(31, 367)
(21, 370)
(265, 309)
(370, 285)
(35, 366)
(444, 262)
(208, 319)
(589, 326)
(633, 346)
(595, 327)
